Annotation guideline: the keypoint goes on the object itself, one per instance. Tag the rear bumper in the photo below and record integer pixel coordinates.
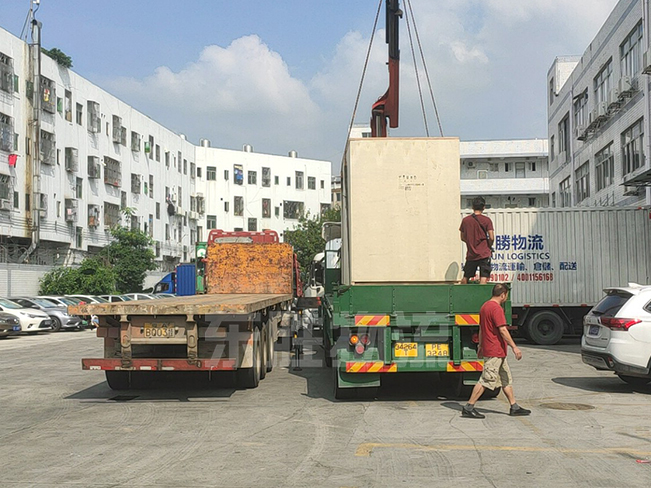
(606, 362)
(159, 364)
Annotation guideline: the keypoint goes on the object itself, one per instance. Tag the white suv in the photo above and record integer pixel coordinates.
(617, 334)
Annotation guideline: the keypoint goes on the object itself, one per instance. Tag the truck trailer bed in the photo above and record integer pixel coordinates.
(218, 303)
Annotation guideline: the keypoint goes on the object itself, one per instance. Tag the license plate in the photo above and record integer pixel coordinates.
(594, 330)
(16, 328)
(159, 331)
(435, 350)
(406, 350)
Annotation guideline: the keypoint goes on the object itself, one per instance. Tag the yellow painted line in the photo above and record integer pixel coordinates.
(365, 450)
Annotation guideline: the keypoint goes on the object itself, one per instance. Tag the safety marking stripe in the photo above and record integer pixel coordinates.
(372, 320)
(371, 367)
(465, 366)
(466, 319)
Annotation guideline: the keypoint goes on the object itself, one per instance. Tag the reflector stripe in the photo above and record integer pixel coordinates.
(466, 319)
(372, 320)
(465, 366)
(371, 367)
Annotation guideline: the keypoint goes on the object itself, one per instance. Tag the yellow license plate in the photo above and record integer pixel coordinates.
(432, 350)
(159, 331)
(406, 350)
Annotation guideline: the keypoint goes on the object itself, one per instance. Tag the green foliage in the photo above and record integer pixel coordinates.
(306, 238)
(93, 277)
(130, 256)
(59, 56)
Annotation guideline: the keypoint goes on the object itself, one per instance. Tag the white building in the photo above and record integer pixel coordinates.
(507, 174)
(243, 190)
(598, 115)
(98, 155)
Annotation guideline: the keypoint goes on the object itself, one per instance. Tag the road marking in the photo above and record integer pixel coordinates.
(365, 450)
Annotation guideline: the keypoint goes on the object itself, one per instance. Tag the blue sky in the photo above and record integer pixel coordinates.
(283, 74)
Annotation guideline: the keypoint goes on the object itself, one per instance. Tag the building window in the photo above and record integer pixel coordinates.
(299, 180)
(199, 171)
(252, 177)
(564, 136)
(633, 147)
(266, 208)
(311, 183)
(532, 166)
(289, 181)
(322, 184)
(277, 211)
(211, 221)
(227, 206)
(582, 182)
(48, 148)
(6, 132)
(507, 167)
(94, 121)
(185, 166)
(581, 110)
(532, 201)
(565, 192)
(193, 170)
(157, 153)
(79, 188)
(253, 225)
(48, 95)
(493, 167)
(605, 167)
(225, 175)
(151, 186)
(553, 199)
(238, 206)
(135, 183)
(211, 173)
(630, 52)
(552, 92)
(157, 211)
(6, 73)
(111, 214)
(551, 148)
(266, 177)
(276, 180)
(292, 210)
(79, 114)
(603, 83)
(112, 172)
(238, 174)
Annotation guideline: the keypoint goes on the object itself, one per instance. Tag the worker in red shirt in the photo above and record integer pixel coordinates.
(494, 336)
(478, 234)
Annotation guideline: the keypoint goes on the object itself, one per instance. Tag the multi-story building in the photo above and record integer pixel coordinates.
(74, 158)
(506, 173)
(598, 115)
(242, 190)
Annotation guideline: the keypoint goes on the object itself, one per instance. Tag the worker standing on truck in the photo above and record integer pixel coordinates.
(478, 234)
(494, 336)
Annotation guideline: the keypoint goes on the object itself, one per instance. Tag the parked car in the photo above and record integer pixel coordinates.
(63, 301)
(617, 334)
(88, 298)
(58, 313)
(9, 325)
(31, 320)
(140, 296)
(116, 298)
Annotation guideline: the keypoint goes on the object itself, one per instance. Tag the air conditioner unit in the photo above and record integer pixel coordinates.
(613, 98)
(631, 191)
(471, 164)
(5, 205)
(646, 63)
(626, 86)
(194, 215)
(580, 132)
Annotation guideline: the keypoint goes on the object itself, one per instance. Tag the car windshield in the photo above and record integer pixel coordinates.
(125, 298)
(72, 300)
(43, 302)
(101, 300)
(611, 303)
(9, 304)
(51, 302)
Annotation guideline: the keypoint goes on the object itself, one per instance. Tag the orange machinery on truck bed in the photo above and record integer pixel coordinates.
(251, 278)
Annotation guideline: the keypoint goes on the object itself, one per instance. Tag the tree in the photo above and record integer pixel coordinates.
(306, 238)
(59, 56)
(130, 256)
(93, 277)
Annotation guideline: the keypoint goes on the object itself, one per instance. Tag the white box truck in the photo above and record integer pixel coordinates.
(560, 260)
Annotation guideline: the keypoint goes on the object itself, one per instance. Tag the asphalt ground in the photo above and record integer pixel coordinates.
(63, 427)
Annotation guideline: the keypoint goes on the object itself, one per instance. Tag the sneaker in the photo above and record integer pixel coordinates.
(473, 414)
(519, 412)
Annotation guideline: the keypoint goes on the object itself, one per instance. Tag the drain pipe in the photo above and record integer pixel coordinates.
(647, 110)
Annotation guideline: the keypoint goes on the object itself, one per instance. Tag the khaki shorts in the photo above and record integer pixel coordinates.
(496, 373)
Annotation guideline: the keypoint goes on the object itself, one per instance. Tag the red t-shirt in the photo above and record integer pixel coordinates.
(476, 239)
(491, 318)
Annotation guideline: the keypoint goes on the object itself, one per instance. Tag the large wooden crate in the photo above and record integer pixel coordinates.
(249, 268)
(401, 211)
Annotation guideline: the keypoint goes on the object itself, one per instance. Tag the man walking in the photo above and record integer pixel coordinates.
(493, 339)
(478, 234)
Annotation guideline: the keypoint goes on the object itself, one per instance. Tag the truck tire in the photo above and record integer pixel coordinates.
(250, 377)
(634, 381)
(118, 380)
(264, 353)
(327, 351)
(545, 328)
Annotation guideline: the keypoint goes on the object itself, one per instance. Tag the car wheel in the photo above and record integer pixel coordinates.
(635, 381)
(56, 324)
(545, 328)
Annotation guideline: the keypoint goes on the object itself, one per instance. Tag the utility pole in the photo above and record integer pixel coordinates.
(33, 157)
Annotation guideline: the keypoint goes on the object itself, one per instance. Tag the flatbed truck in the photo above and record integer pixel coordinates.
(233, 327)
